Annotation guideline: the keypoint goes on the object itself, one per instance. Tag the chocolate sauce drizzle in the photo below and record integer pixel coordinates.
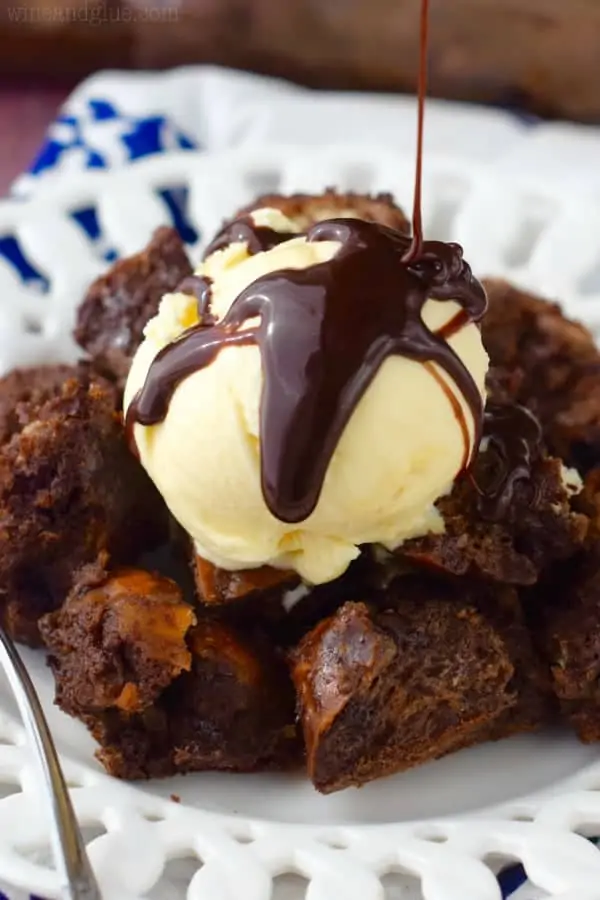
(416, 245)
(200, 287)
(457, 409)
(515, 443)
(258, 238)
(324, 332)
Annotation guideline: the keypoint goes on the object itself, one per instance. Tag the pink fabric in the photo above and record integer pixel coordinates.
(25, 113)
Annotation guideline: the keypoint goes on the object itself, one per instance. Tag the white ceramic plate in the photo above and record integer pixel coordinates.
(443, 829)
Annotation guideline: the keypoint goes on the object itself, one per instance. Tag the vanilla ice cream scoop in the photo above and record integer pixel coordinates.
(331, 396)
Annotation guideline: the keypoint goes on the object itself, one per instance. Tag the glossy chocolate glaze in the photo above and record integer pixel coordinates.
(457, 409)
(200, 287)
(454, 325)
(258, 238)
(324, 332)
(515, 439)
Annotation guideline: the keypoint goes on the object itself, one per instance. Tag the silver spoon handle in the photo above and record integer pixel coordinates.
(69, 850)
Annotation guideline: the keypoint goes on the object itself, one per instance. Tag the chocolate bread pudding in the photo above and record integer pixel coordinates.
(69, 490)
(374, 472)
(426, 668)
(165, 689)
(567, 620)
(372, 621)
(117, 306)
(548, 364)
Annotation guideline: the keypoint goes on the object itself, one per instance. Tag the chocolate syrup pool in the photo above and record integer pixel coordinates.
(323, 334)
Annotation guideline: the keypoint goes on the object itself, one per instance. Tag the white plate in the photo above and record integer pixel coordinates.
(449, 824)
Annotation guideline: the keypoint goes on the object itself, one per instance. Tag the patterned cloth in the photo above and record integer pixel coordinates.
(114, 118)
(102, 136)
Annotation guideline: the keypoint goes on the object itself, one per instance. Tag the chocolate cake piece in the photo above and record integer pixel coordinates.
(307, 605)
(117, 306)
(163, 693)
(306, 209)
(549, 364)
(568, 620)
(69, 490)
(235, 710)
(278, 601)
(435, 667)
(216, 586)
(247, 599)
(119, 639)
(22, 391)
(512, 515)
(587, 502)
(565, 618)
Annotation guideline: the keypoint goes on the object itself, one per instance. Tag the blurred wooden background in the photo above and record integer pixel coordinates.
(542, 56)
